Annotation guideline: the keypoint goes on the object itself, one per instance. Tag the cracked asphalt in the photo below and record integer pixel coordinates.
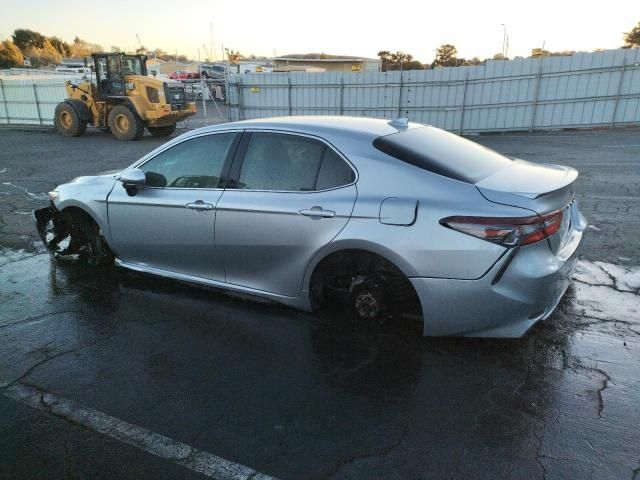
(302, 396)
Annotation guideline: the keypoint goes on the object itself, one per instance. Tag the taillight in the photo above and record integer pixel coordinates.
(509, 231)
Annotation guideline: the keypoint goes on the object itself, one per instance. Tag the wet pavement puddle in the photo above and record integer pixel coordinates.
(270, 387)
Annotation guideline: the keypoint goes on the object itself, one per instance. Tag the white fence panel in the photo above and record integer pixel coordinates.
(582, 90)
(30, 101)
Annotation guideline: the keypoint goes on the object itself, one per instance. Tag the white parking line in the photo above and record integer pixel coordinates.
(197, 460)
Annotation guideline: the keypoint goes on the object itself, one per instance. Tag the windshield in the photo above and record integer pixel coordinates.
(444, 153)
(132, 66)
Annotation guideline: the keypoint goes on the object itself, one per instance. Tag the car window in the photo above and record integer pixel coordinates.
(334, 172)
(195, 163)
(277, 161)
(443, 153)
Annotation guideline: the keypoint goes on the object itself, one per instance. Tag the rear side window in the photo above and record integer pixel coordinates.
(280, 162)
(334, 172)
(443, 153)
(284, 162)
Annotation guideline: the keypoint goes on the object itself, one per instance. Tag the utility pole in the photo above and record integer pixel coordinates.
(504, 39)
(211, 42)
(140, 46)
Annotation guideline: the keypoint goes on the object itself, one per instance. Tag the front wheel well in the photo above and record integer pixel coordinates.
(85, 236)
(343, 270)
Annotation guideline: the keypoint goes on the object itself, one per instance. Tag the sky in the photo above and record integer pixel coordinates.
(342, 27)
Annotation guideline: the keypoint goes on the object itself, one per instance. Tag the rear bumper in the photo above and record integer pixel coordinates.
(506, 301)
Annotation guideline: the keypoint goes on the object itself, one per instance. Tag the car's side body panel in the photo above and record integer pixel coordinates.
(266, 238)
(90, 195)
(155, 228)
(266, 243)
(427, 249)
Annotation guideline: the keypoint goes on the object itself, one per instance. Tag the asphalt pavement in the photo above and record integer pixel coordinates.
(111, 374)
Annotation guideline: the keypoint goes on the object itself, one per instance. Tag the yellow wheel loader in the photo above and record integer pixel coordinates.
(123, 100)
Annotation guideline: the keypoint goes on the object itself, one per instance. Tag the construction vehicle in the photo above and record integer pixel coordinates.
(123, 100)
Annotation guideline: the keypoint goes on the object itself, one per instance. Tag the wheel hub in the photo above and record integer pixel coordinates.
(122, 123)
(368, 304)
(65, 120)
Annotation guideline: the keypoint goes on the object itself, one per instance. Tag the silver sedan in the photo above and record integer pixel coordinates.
(395, 217)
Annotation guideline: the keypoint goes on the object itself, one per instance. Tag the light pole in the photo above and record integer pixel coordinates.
(504, 39)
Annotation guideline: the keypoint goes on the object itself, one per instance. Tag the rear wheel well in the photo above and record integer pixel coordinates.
(342, 272)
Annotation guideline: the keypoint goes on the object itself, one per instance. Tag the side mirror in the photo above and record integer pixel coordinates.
(131, 179)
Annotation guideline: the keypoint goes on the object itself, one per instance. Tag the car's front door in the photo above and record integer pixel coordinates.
(170, 223)
(292, 195)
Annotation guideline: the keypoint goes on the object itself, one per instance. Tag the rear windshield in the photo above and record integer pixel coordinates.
(443, 153)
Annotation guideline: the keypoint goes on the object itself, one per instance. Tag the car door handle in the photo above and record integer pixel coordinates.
(199, 205)
(317, 212)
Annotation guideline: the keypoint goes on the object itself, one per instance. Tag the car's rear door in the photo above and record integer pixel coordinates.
(169, 224)
(292, 195)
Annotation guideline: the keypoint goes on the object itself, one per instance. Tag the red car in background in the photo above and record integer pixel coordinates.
(184, 75)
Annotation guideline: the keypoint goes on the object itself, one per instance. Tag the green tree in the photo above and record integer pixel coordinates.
(61, 46)
(41, 57)
(472, 62)
(24, 38)
(81, 48)
(398, 61)
(632, 38)
(446, 56)
(10, 55)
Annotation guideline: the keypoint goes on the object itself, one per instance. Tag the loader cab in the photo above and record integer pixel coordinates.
(111, 69)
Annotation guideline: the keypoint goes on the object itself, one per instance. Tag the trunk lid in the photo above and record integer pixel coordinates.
(541, 188)
(538, 187)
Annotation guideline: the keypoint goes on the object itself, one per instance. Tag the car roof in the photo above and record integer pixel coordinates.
(369, 128)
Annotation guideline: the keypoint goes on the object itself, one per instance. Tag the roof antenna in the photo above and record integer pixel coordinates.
(402, 122)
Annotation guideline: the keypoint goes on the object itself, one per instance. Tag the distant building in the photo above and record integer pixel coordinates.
(72, 62)
(297, 68)
(73, 65)
(329, 63)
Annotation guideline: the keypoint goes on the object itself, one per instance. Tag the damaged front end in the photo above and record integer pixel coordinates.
(71, 233)
(55, 231)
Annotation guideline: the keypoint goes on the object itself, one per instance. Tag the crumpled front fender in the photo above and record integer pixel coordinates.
(54, 227)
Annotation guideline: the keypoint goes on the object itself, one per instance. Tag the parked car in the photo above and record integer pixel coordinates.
(391, 216)
(184, 75)
(217, 71)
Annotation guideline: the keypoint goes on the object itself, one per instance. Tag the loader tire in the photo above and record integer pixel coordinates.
(125, 124)
(68, 122)
(162, 131)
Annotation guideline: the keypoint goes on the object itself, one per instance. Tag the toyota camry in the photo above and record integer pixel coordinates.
(393, 217)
